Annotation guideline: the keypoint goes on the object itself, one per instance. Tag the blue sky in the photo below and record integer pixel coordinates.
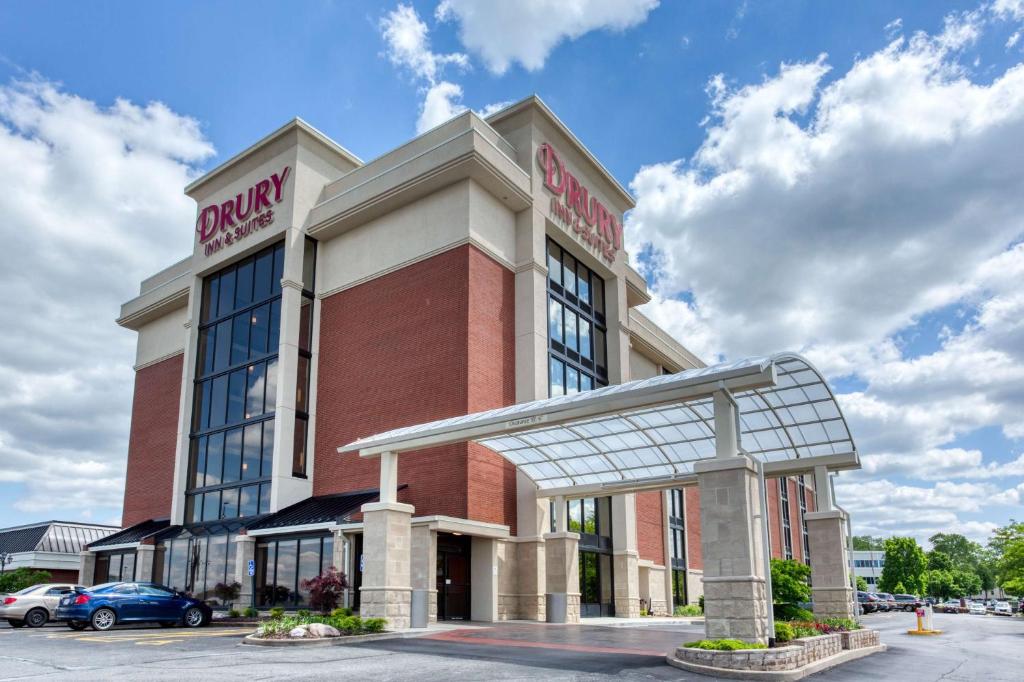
(852, 163)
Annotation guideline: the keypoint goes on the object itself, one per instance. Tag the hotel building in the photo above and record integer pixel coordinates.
(328, 299)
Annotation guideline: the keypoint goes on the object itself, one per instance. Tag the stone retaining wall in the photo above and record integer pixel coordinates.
(860, 639)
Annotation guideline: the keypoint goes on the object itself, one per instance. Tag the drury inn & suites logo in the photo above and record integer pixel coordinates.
(575, 207)
(220, 225)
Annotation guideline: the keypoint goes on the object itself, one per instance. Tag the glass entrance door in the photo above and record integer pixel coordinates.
(596, 585)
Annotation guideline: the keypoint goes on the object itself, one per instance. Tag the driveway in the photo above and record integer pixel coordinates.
(973, 648)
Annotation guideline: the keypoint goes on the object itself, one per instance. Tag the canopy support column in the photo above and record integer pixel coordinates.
(831, 591)
(387, 550)
(561, 556)
(731, 499)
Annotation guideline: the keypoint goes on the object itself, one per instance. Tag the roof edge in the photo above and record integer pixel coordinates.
(534, 100)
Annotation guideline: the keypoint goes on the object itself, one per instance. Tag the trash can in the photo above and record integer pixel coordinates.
(557, 607)
(418, 611)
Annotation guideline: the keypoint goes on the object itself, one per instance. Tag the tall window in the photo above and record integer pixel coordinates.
(578, 359)
(282, 565)
(806, 537)
(232, 438)
(787, 536)
(677, 532)
(305, 360)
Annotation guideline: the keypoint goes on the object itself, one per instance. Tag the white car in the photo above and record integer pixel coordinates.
(977, 609)
(1003, 608)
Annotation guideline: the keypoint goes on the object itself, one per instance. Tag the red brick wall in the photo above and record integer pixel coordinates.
(492, 368)
(695, 553)
(774, 517)
(650, 530)
(432, 340)
(149, 480)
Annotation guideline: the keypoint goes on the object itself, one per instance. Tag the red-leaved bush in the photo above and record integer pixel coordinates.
(326, 590)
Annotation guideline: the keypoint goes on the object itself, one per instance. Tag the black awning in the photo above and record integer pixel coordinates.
(322, 509)
(136, 533)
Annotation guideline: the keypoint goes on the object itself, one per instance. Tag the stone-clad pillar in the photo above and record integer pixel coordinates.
(144, 555)
(424, 567)
(735, 599)
(86, 568)
(562, 562)
(625, 556)
(830, 578)
(386, 591)
(245, 551)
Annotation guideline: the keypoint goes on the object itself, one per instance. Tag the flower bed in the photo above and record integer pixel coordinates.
(306, 626)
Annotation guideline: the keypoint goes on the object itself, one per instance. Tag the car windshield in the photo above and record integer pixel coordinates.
(105, 587)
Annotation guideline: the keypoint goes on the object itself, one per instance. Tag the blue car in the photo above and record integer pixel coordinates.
(110, 604)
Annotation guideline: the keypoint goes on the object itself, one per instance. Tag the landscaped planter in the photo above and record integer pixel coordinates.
(796, 654)
(821, 646)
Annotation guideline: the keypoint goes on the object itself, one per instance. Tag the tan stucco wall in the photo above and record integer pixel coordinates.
(161, 338)
(641, 367)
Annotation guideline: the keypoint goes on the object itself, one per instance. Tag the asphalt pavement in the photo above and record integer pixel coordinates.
(972, 648)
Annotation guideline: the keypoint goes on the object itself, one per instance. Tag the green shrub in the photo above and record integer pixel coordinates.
(700, 602)
(371, 625)
(723, 645)
(20, 578)
(688, 610)
(342, 612)
(841, 624)
(277, 613)
(783, 632)
(303, 613)
(233, 613)
(250, 612)
(804, 629)
(791, 612)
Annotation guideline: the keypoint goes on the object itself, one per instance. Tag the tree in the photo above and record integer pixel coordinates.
(987, 576)
(939, 561)
(968, 582)
(964, 554)
(862, 585)
(20, 578)
(326, 590)
(789, 581)
(905, 563)
(1003, 537)
(899, 589)
(939, 583)
(867, 542)
(1010, 569)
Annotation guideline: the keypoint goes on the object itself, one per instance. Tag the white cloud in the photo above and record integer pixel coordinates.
(828, 211)
(442, 102)
(408, 45)
(526, 31)
(93, 204)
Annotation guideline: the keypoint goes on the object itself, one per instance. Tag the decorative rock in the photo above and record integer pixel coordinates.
(299, 632)
(322, 630)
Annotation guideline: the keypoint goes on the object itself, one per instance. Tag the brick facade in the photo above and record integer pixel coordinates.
(650, 528)
(432, 340)
(694, 553)
(149, 481)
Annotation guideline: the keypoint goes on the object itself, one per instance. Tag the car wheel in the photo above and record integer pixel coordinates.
(15, 623)
(103, 619)
(194, 617)
(36, 618)
(77, 625)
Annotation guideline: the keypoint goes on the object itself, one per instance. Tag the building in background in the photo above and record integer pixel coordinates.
(868, 564)
(51, 546)
(476, 266)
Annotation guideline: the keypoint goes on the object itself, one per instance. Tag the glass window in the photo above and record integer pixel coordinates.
(264, 498)
(259, 329)
(302, 388)
(249, 500)
(557, 377)
(218, 401)
(590, 516)
(327, 560)
(554, 264)
(576, 329)
(305, 323)
(211, 506)
(309, 565)
(299, 451)
(155, 591)
(243, 284)
(575, 517)
(252, 451)
(271, 398)
(239, 339)
(232, 455)
(236, 396)
(199, 462)
(215, 459)
(254, 405)
(284, 580)
(263, 271)
(229, 503)
(267, 461)
(222, 353)
(227, 292)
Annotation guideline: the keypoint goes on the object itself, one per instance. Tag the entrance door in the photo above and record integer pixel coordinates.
(453, 577)
(596, 594)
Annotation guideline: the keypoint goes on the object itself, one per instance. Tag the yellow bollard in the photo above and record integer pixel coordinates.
(921, 629)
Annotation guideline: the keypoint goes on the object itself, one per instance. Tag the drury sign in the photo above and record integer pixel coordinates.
(576, 207)
(220, 225)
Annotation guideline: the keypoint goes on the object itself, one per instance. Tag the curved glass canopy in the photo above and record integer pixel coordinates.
(653, 430)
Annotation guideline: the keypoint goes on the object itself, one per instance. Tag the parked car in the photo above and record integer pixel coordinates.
(977, 608)
(907, 602)
(110, 604)
(1003, 609)
(869, 603)
(890, 601)
(33, 606)
(951, 606)
(883, 603)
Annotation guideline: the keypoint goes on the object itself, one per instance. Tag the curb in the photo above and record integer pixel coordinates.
(781, 675)
(252, 640)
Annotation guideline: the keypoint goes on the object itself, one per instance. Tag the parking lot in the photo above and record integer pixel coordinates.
(972, 648)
